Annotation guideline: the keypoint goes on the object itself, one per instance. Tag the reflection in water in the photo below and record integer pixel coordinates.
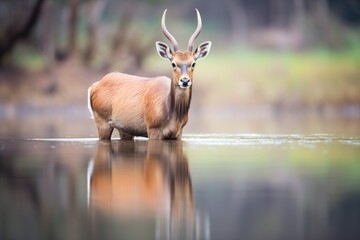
(144, 180)
(247, 187)
(41, 190)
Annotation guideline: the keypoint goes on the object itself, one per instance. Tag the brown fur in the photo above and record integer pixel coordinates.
(151, 107)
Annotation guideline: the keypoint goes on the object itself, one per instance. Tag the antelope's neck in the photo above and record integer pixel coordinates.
(180, 100)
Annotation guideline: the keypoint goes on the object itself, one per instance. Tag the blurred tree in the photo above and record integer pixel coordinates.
(347, 10)
(94, 11)
(314, 22)
(321, 14)
(118, 40)
(73, 20)
(299, 6)
(238, 19)
(12, 35)
(48, 46)
(130, 44)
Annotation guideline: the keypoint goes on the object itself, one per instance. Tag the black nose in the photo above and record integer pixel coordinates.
(185, 81)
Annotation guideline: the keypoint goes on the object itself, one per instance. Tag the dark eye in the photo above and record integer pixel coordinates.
(193, 65)
(174, 65)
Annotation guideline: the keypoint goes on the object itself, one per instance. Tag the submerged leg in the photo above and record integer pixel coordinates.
(155, 133)
(103, 127)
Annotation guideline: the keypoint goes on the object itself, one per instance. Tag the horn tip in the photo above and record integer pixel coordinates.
(164, 12)
(198, 14)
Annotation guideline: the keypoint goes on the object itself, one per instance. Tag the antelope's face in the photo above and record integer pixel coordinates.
(183, 62)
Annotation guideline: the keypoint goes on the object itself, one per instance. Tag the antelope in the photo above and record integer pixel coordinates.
(155, 107)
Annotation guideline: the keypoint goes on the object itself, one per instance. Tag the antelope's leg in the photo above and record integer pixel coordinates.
(125, 136)
(155, 134)
(103, 127)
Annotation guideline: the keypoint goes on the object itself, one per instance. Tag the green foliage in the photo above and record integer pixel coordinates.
(27, 58)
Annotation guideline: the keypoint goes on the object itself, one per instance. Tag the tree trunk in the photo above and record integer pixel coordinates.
(73, 19)
(94, 10)
(238, 20)
(300, 16)
(324, 24)
(279, 14)
(118, 40)
(48, 48)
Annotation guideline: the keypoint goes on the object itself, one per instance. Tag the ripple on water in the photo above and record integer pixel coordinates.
(239, 139)
(272, 139)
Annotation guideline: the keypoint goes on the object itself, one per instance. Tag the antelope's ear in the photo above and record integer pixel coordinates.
(163, 50)
(202, 50)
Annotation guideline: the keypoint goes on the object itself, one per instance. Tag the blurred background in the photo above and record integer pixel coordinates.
(276, 66)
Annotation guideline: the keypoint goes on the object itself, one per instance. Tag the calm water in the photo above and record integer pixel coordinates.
(245, 186)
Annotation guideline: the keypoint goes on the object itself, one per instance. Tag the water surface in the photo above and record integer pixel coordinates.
(208, 186)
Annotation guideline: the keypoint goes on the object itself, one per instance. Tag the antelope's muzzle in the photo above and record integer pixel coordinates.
(184, 82)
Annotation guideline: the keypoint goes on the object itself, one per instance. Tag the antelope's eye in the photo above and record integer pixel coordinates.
(193, 65)
(174, 65)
